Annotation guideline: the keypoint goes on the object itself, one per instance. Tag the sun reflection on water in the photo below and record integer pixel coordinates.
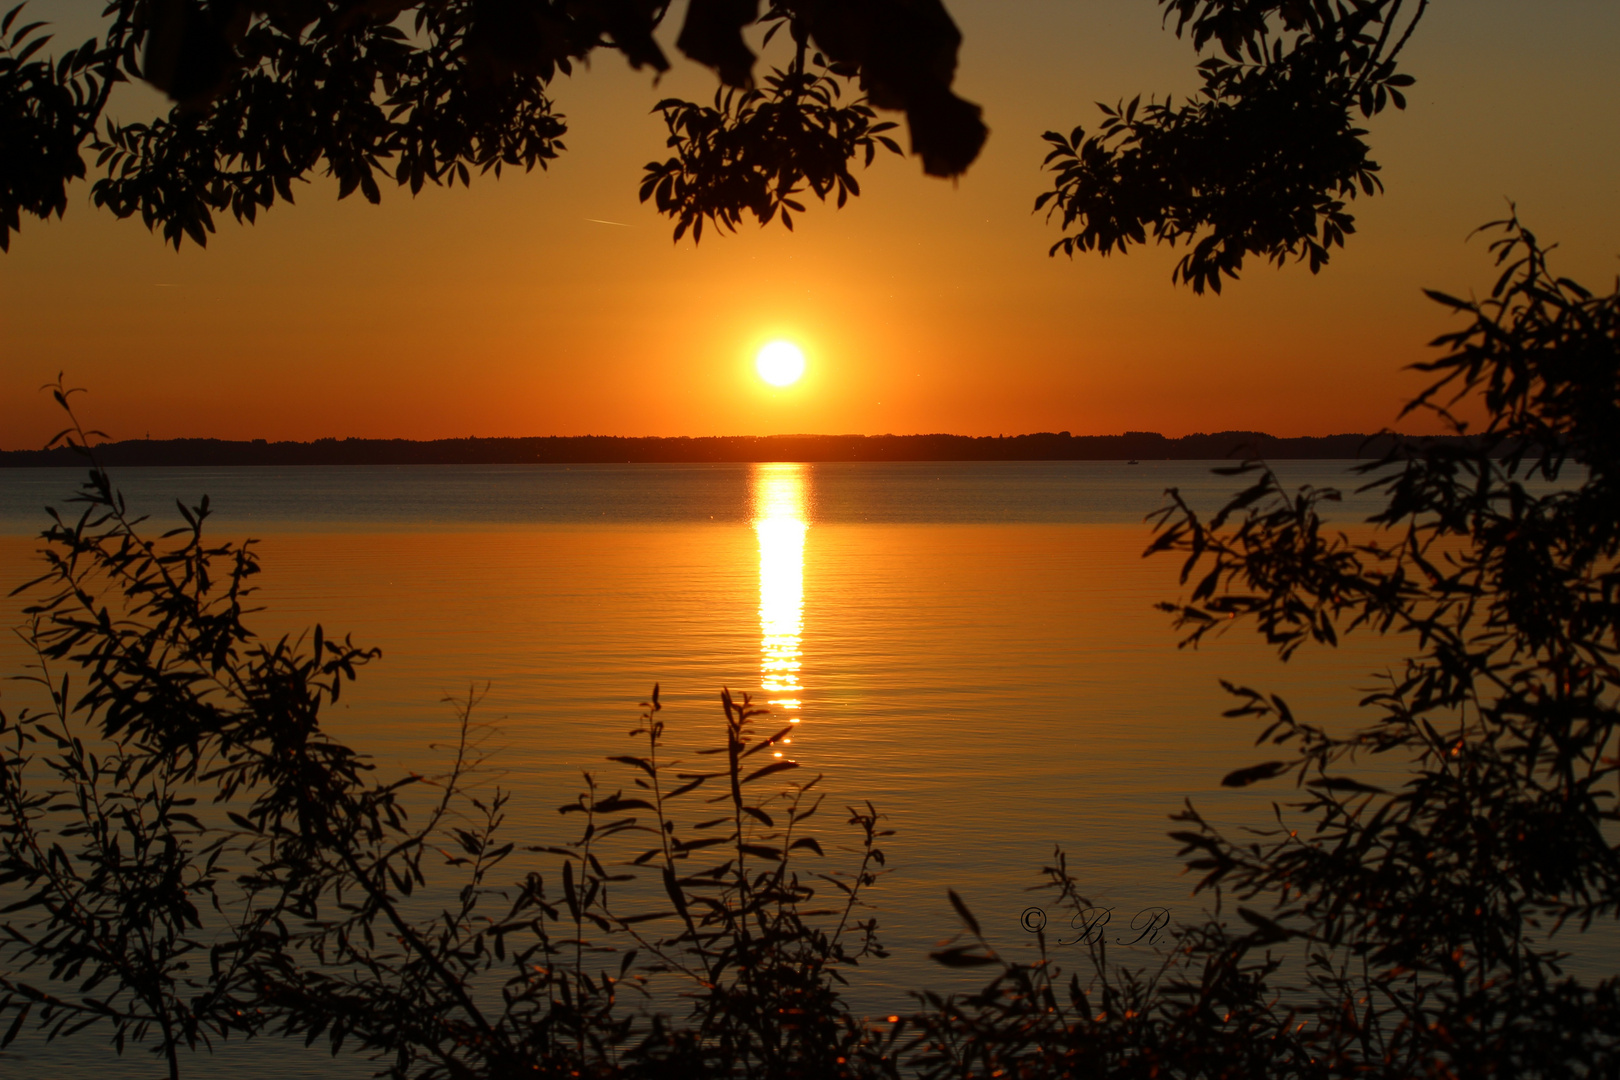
(779, 490)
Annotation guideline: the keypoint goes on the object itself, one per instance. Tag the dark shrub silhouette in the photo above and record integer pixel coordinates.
(193, 858)
(1427, 914)
(189, 857)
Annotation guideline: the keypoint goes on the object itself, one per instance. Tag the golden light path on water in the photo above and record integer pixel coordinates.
(780, 521)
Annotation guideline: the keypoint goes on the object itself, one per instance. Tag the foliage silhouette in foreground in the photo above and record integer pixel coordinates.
(268, 93)
(1426, 915)
(188, 857)
(195, 860)
(1262, 161)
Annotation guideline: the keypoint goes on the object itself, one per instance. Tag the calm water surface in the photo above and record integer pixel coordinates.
(971, 646)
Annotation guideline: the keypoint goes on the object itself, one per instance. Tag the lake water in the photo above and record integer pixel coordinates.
(971, 646)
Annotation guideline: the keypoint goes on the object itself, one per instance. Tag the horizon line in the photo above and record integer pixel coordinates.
(1064, 434)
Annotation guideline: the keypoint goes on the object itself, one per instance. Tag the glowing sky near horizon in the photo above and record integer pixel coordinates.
(555, 303)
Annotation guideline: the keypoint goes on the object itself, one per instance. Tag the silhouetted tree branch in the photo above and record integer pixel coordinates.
(1262, 161)
(269, 92)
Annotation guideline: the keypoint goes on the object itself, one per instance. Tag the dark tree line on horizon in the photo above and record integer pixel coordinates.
(585, 449)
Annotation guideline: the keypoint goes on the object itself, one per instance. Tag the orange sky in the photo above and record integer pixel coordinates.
(924, 306)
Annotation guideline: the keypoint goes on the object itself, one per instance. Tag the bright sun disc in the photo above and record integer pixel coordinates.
(780, 363)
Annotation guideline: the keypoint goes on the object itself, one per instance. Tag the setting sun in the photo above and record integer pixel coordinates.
(780, 363)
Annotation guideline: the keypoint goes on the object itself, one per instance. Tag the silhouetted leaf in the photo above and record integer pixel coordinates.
(963, 912)
(962, 957)
(1254, 773)
(774, 767)
(1344, 783)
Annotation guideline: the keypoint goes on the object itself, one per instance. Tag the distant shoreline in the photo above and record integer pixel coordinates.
(602, 449)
